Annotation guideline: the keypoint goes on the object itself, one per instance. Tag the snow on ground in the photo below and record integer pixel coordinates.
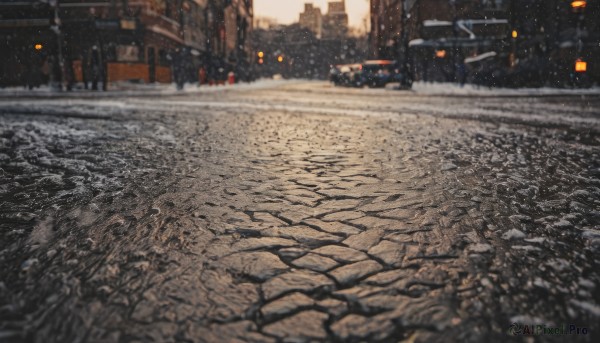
(318, 97)
(134, 89)
(424, 88)
(213, 187)
(438, 88)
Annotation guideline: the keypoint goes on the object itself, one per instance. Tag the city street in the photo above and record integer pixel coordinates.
(295, 211)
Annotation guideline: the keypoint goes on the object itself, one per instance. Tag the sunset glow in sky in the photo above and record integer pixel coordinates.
(288, 11)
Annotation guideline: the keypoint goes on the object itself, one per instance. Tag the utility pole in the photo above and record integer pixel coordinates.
(59, 60)
(208, 20)
(578, 8)
(404, 59)
(454, 40)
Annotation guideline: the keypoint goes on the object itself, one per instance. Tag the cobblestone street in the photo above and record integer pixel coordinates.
(299, 212)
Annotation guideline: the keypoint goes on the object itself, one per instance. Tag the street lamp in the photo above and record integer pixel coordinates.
(405, 66)
(578, 5)
(580, 66)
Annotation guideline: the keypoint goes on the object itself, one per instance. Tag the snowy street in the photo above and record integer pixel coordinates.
(296, 211)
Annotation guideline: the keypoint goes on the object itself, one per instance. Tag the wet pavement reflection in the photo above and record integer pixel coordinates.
(298, 213)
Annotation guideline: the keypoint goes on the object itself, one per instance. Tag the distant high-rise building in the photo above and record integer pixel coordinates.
(337, 7)
(264, 23)
(335, 23)
(312, 19)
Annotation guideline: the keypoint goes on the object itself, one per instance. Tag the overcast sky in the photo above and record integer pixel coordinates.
(288, 11)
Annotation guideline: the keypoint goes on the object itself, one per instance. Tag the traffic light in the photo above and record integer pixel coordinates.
(280, 59)
(260, 54)
(38, 46)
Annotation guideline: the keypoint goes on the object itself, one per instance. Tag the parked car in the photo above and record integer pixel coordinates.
(378, 73)
(353, 77)
(335, 74)
(347, 75)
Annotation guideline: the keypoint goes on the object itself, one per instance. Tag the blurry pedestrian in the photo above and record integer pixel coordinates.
(202, 75)
(69, 74)
(95, 67)
(462, 72)
(55, 72)
(179, 68)
(34, 71)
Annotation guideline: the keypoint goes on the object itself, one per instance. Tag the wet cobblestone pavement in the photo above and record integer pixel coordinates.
(299, 213)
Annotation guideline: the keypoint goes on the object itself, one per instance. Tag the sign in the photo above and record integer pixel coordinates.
(10, 23)
(107, 24)
(128, 53)
(127, 24)
(158, 6)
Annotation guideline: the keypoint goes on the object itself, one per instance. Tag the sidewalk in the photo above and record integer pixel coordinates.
(445, 89)
(419, 88)
(133, 89)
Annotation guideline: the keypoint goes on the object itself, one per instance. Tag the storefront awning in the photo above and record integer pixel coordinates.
(450, 43)
(480, 57)
(9, 23)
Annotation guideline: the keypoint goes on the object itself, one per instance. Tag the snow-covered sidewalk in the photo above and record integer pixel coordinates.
(437, 88)
(134, 89)
(419, 88)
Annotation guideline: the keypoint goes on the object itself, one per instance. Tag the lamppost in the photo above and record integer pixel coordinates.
(208, 21)
(407, 78)
(514, 34)
(454, 40)
(57, 83)
(578, 8)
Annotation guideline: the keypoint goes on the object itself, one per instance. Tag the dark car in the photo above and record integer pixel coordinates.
(378, 73)
(335, 74)
(348, 75)
(353, 76)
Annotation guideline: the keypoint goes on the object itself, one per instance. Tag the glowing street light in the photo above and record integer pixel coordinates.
(515, 34)
(578, 4)
(580, 66)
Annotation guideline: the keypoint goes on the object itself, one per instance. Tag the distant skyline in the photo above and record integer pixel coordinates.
(288, 11)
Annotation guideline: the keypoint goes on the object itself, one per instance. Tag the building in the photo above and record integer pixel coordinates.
(335, 22)
(25, 39)
(237, 26)
(386, 21)
(529, 42)
(101, 41)
(312, 19)
(264, 23)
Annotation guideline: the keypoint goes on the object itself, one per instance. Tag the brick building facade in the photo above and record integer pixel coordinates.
(550, 35)
(105, 41)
